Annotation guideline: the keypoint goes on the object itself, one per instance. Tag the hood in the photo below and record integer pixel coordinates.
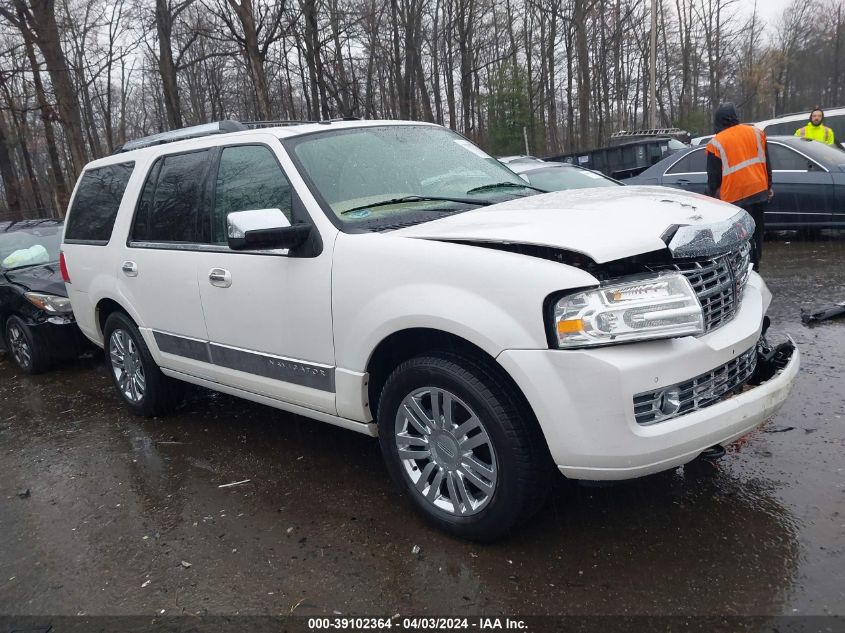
(605, 224)
(725, 117)
(45, 278)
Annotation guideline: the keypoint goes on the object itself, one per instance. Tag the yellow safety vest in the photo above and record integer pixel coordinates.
(820, 133)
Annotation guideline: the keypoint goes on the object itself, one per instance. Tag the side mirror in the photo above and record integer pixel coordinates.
(264, 229)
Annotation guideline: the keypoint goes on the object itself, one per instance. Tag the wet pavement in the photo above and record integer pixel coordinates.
(125, 515)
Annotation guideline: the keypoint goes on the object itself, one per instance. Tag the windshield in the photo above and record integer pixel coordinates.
(353, 168)
(563, 178)
(27, 247)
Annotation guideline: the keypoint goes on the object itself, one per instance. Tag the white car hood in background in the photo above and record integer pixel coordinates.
(605, 223)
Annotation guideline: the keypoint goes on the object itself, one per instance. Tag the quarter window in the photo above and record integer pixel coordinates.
(249, 178)
(91, 217)
(172, 204)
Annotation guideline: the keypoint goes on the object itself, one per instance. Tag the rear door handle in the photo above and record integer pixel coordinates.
(130, 269)
(220, 277)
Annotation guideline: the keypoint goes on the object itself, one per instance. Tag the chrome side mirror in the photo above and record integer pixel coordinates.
(264, 229)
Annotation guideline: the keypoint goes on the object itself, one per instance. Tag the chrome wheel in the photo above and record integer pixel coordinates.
(19, 346)
(445, 451)
(126, 365)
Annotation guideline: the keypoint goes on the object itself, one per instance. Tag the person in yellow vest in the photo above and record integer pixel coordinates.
(815, 129)
(739, 170)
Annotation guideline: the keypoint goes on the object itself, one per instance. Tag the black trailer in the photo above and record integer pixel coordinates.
(622, 160)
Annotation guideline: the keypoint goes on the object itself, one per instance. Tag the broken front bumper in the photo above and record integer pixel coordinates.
(585, 399)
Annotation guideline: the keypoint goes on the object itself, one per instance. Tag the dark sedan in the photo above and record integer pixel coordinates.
(37, 322)
(808, 180)
(550, 176)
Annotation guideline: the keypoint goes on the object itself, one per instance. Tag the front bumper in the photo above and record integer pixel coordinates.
(60, 337)
(583, 399)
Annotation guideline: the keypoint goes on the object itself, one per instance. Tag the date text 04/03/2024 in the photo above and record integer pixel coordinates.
(417, 624)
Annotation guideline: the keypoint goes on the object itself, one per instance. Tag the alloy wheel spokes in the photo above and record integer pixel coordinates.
(20, 347)
(127, 366)
(445, 451)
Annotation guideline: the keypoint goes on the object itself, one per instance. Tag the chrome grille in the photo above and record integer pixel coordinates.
(702, 391)
(718, 282)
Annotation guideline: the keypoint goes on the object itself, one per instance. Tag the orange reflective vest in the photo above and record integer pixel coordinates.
(742, 151)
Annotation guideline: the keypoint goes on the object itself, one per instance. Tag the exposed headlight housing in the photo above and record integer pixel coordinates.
(51, 304)
(661, 306)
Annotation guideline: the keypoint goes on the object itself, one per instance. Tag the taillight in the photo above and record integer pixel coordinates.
(63, 268)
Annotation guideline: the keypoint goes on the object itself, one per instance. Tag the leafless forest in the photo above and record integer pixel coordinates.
(79, 77)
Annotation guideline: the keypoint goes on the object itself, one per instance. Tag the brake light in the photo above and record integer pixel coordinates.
(63, 268)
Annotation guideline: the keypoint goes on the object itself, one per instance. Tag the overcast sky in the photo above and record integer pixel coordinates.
(769, 10)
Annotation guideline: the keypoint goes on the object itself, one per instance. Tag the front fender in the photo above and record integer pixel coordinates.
(383, 284)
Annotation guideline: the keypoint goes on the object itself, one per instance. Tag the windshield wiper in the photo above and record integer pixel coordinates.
(497, 185)
(384, 203)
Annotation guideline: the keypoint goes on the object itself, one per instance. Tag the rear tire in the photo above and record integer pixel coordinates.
(137, 378)
(24, 348)
(460, 442)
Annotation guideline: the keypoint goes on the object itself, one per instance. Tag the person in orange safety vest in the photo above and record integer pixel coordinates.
(739, 170)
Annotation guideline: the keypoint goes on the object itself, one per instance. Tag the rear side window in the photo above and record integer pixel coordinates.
(173, 201)
(681, 167)
(94, 209)
(784, 159)
(249, 177)
(693, 163)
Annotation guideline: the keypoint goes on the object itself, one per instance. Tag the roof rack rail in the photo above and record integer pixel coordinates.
(194, 131)
(218, 127)
(256, 125)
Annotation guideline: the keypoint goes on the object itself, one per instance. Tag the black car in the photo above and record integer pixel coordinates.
(808, 180)
(37, 322)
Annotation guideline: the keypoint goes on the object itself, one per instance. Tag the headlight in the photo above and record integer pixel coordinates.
(663, 306)
(49, 303)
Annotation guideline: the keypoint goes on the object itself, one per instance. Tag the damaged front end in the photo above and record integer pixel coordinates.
(771, 360)
(748, 370)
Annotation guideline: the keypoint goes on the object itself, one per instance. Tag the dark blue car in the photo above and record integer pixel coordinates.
(808, 180)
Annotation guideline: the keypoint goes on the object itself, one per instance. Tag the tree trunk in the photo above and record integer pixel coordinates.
(253, 55)
(166, 66)
(10, 178)
(56, 174)
(20, 128)
(401, 81)
(42, 21)
(583, 74)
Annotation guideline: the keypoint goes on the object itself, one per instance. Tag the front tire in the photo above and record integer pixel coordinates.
(460, 442)
(24, 348)
(137, 378)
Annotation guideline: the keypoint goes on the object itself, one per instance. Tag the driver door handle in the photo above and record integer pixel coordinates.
(220, 277)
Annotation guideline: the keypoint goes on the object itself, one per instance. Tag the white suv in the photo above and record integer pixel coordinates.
(393, 279)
